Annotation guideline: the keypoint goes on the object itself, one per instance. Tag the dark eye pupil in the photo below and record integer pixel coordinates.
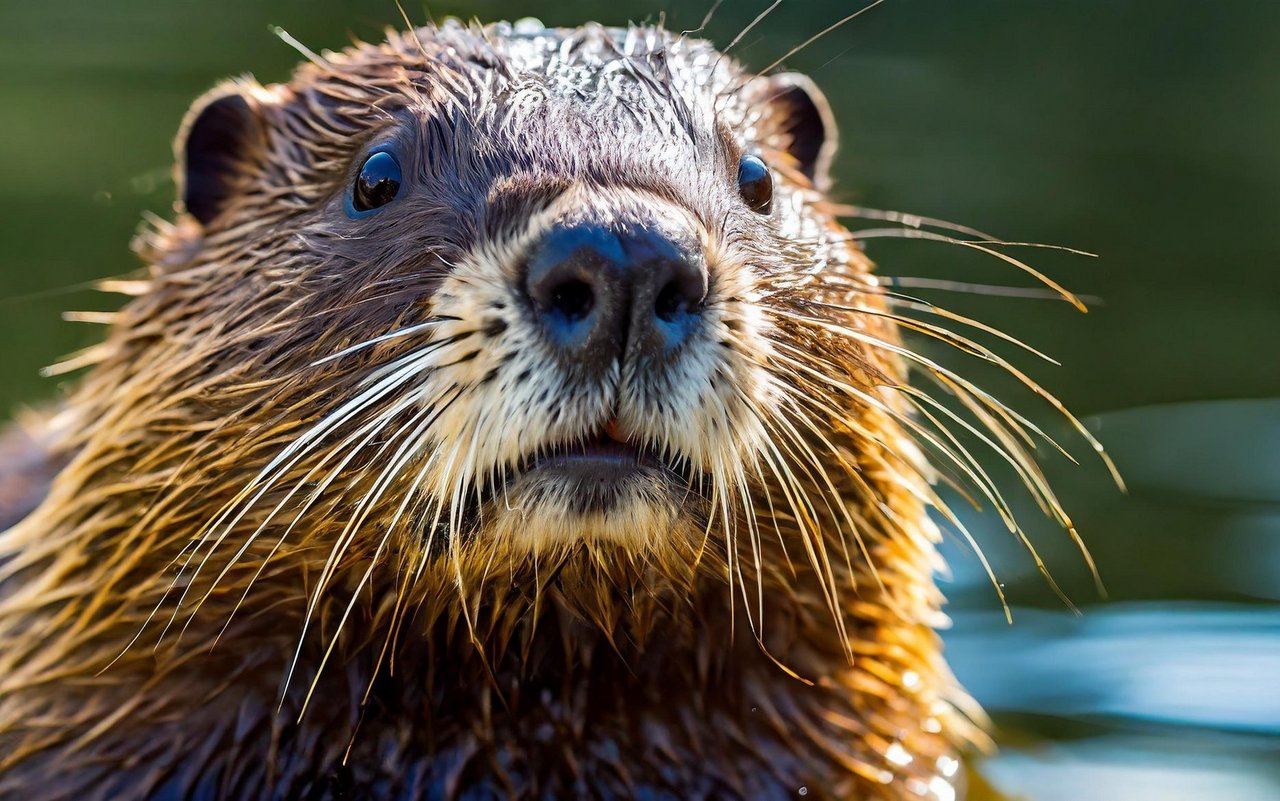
(378, 182)
(755, 184)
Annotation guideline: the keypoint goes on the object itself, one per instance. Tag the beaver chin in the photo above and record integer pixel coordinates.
(603, 488)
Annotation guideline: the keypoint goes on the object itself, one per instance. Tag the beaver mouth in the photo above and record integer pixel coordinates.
(598, 471)
(605, 450)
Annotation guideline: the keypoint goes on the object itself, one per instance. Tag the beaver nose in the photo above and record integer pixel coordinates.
(603, 293)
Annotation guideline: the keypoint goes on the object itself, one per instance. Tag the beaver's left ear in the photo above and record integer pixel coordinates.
(803, 118)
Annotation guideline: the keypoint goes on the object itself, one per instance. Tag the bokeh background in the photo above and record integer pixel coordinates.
(1146, 132)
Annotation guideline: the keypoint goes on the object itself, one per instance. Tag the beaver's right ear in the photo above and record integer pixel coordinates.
(221, 145)
(805, 121)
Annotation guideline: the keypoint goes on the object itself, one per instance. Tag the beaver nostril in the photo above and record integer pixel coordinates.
(573, 300)
(670, 303)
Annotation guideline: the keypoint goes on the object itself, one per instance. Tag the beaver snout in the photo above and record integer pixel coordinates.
(605, 293)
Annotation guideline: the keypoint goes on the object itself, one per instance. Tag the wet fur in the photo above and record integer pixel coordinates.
(246, 584)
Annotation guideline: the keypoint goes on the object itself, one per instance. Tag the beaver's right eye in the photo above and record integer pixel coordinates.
(755, 184)
(378, 182)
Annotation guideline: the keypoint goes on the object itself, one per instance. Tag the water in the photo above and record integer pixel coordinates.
(1142, 131)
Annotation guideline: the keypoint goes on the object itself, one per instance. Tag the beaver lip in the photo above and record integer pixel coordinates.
(600, 473)
(601, 487)
(607, 453)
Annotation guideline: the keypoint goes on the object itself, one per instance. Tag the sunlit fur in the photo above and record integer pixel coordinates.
(294, 547)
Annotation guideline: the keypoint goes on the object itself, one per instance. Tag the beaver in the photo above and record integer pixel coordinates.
(506, 413)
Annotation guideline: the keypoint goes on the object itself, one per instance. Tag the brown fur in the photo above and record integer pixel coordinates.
(165, 634)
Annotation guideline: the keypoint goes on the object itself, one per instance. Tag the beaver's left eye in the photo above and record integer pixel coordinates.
(755, 184)
(378, 182)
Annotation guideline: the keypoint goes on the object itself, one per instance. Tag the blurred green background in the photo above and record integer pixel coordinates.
(1147, 132)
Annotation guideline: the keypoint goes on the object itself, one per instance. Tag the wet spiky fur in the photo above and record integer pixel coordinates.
(283, 560)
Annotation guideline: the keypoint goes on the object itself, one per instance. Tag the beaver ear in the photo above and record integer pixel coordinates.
(221, 142)
(805, 120)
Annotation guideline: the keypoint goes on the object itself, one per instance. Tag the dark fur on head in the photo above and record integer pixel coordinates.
(291, 556)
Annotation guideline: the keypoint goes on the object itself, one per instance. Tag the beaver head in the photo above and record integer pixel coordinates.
(507, 412)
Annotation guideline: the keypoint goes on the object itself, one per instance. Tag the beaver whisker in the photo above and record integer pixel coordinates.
(724, 488)
(832, 27)
(933, 367)
(267, 478)
(930, 236)
(370, 430)
(1008, 449)
(1009, 420)
(420, 481)
(804, 465)
(913, 425)
(932, 498)
(811, 398)
(1036, 245)
(380, 383)
(970, 468)
(909, 220)
(723, 505)
(706, 20)
(368, 343)
(1006, 512)
(737, 86)
(814, 545)
(727, 491)
(1016, 421)
(750, 26)
(900, 300)
(1003, 409)
(406, 451)
(972, 288)
(946, 335)
(768, 497)
(455, 552)
(1059, 512)
(821, 471)
(814, 398)
(973, 469)
(753, 531)
(407, 444)
(912, 222)
(409, 366)
(386, 656)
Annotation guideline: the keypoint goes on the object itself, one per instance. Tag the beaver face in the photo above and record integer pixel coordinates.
(541, 275)
(490, 368)
(619, 367)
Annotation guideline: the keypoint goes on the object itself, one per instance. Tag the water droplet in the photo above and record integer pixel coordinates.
(942, 789)
(948, 766)
(897, 754)
(804, 791)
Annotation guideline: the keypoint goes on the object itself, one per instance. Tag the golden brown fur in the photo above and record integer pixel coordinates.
(245, 584)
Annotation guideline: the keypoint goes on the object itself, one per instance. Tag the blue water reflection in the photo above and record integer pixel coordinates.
(1151, 696)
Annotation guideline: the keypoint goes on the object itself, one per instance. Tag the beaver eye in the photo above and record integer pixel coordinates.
(755, 184)
(378, 182)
